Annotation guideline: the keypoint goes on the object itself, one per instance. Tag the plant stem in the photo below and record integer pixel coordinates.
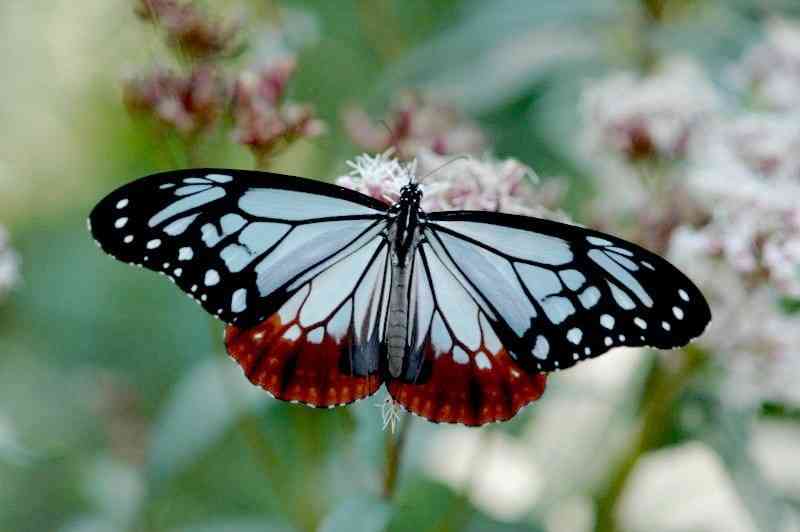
(394, 455)
(664, 388)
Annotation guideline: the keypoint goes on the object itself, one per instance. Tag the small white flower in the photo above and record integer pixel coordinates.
(456, 183)
(390, 413)
(380, 176)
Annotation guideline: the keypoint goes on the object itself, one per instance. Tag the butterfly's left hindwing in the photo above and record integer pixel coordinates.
(558, 294)
(238, 242)
(323, 347)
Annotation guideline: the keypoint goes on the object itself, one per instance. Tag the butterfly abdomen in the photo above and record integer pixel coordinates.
(397, 329)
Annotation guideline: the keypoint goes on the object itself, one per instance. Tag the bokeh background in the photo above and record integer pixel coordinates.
(672, 122)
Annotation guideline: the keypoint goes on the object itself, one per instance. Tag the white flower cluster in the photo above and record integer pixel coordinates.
(633, 123)
(747, 174)
(739, 170)
(643, 117)
(456, 184)
(771, 70)
(379, 176)
(9, 265)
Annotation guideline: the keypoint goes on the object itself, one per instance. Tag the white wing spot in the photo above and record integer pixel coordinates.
(541, 347)
(316, 336)
(609, 341)
(288, 312)
(558, 308)
(191, 189)
(220, 178)
(575, 335)
(640, 323)
(621, 251)
(204, 297)
(575, 356)
(587, 350)
(490, 340)
(180, 225)
(648, 265)
(684, 295)
(165, 265)
(666, 325)
(194, 288)
(120, 223)
(128, 239)
(677, 312)
(167, 185)
(573, 279)
(185, 253)
(621, 337)
(598, 241)
(153, 244)
(482, 361)
(623, 261)
(178, 272)
(293, 333)
(239, 300)
(589, 297)
(211, 278)
(622, 299)
(121, 204)
(607, 321)
(460, 356)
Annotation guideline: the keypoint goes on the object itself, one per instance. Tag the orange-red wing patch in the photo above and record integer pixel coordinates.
(478, 389)
(294, 364)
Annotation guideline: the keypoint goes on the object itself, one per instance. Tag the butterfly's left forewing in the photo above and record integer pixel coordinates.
(238, 242)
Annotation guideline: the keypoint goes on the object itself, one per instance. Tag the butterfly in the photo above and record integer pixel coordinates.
(328, 293)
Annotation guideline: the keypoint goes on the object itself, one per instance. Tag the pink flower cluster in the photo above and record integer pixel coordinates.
(188, 103)
(261, 118)
(193, 100)
(415, 123)
(188, 30)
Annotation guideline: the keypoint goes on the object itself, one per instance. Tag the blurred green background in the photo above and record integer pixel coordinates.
(118, 407)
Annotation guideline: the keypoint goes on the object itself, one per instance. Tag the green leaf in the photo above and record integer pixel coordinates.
(358, 514)
(790, 305)
(498, 50)
(204, 404)
(425, 505)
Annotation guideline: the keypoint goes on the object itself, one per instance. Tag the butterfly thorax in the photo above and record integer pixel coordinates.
(404, 230)
(403, 236)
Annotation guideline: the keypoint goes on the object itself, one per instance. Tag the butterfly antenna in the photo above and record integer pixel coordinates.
(459, 158)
